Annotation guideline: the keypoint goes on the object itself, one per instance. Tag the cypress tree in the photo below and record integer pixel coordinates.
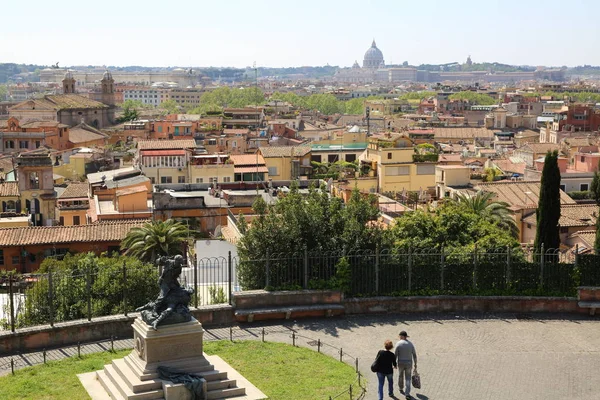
(548, 211)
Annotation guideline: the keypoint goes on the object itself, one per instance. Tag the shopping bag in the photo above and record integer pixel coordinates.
(416, 380)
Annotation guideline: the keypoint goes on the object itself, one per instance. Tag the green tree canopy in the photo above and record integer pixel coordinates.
(454, 226)
(496, 212)
(224, 97)
(548, 211)
(170, 106)
(156, 238)
(474, 98)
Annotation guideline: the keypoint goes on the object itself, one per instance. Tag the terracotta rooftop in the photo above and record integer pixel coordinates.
(67, 101)
(247, 159)
(540, 147)
(573, 215)
(166, 144)
(43, 124)
(84, 133)
(519, 194)
(36, 235)
(284, 151)
(75, 190)
(131, 190)
(588, 236)
(9, 189)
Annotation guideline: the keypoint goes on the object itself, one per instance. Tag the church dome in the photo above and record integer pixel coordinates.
(373, 57)
(107, 76)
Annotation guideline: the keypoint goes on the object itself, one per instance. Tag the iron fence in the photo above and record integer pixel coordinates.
(86, 293)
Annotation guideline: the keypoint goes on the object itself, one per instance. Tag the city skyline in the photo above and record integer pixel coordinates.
(237, 34)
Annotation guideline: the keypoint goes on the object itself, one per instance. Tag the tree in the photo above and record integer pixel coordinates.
(548, 211)
(130, 110)
(315, 222)
(170, 106)
(496, 212)
(474, 98)
(156, 238)
(490, 174)
(70, 278)
(453, 226)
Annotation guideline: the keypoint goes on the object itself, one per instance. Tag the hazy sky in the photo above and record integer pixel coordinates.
(295, 33)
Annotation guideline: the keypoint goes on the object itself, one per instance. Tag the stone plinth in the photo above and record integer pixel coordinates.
(178, 346)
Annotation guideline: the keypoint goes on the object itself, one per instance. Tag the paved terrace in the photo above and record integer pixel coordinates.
(493, 356)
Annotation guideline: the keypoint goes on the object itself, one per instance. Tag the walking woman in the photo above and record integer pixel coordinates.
(386, 363)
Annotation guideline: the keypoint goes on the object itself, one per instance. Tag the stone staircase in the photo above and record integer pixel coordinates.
(124, 379)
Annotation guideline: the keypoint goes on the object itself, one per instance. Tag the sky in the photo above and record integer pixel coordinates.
(237, 33)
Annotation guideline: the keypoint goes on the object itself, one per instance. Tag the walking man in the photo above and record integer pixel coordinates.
(405, 354)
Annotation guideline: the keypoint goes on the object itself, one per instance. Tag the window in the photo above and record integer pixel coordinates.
(34, 180)
(23, 144)
(10, 144)
(76, 220)
(181, 179)
(425, 169)
(227, 179)
(389, 156)
(166, 179)
(582, 158)
(584, 187)
(394, 171)
(199, 180)
(315, 158)
(16, 260)
(273, 171)
(528, 226)
(1, 257)
(160, 129)
(61, 221)
(564, 229)
(350, 157)
(332, 158)
(563, 188)
(37, 144)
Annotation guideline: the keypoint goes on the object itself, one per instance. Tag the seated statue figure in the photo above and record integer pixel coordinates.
(172, 304)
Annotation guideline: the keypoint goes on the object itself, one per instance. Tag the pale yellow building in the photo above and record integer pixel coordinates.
(165, 161)
(287, 162)
(391, 157)
(450, 178)
(211, 168)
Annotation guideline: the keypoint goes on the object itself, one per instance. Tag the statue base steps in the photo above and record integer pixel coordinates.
(177, 346)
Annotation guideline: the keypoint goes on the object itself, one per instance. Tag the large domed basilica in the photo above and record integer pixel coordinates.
(373, 57)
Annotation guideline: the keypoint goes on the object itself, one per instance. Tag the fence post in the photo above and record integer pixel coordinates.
(377, 269)
(88, 288)
(442, 267)
(267, 271)
(508, 267)
(124, 289)
(542, 262)
(475, 268)
(409, 269)
(305, 284)
(50, 297)
(196, 294)
(11, 299)
(230, 272)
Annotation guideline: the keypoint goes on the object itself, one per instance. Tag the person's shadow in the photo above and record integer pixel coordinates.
(422, 397)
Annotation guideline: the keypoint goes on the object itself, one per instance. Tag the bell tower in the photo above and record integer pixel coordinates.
(108, 88)
(68, 83)
(36, 186)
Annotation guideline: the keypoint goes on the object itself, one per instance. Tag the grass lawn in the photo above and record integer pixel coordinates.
(279, 370)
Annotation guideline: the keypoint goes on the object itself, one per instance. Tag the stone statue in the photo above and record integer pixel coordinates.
(172, 304)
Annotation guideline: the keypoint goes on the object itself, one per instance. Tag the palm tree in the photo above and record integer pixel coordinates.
(484, 205)
(154, 239)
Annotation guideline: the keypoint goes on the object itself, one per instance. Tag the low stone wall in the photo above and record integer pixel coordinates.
(69, 333)
(441, 304)
(588, 293)
(263, 298)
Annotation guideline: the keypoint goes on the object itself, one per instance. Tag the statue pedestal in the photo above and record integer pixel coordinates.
(177, 346)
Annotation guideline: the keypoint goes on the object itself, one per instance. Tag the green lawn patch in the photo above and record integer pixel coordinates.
(281, 371)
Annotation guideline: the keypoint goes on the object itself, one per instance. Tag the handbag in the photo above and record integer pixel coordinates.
(416, 380)
(375, 365)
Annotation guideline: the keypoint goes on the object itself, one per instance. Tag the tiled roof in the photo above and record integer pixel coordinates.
(509, 166)
(540, 147)
(235, 131)
(247, 159)
(131, 190)
(37, 235)
(588, 236)
(462, 133)
(573, 215)
(83, 133)
(75, 190)
(284, 151)
(519, 194)
(166, 144)
(580, 141)
(9, 189)
(67, 101)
